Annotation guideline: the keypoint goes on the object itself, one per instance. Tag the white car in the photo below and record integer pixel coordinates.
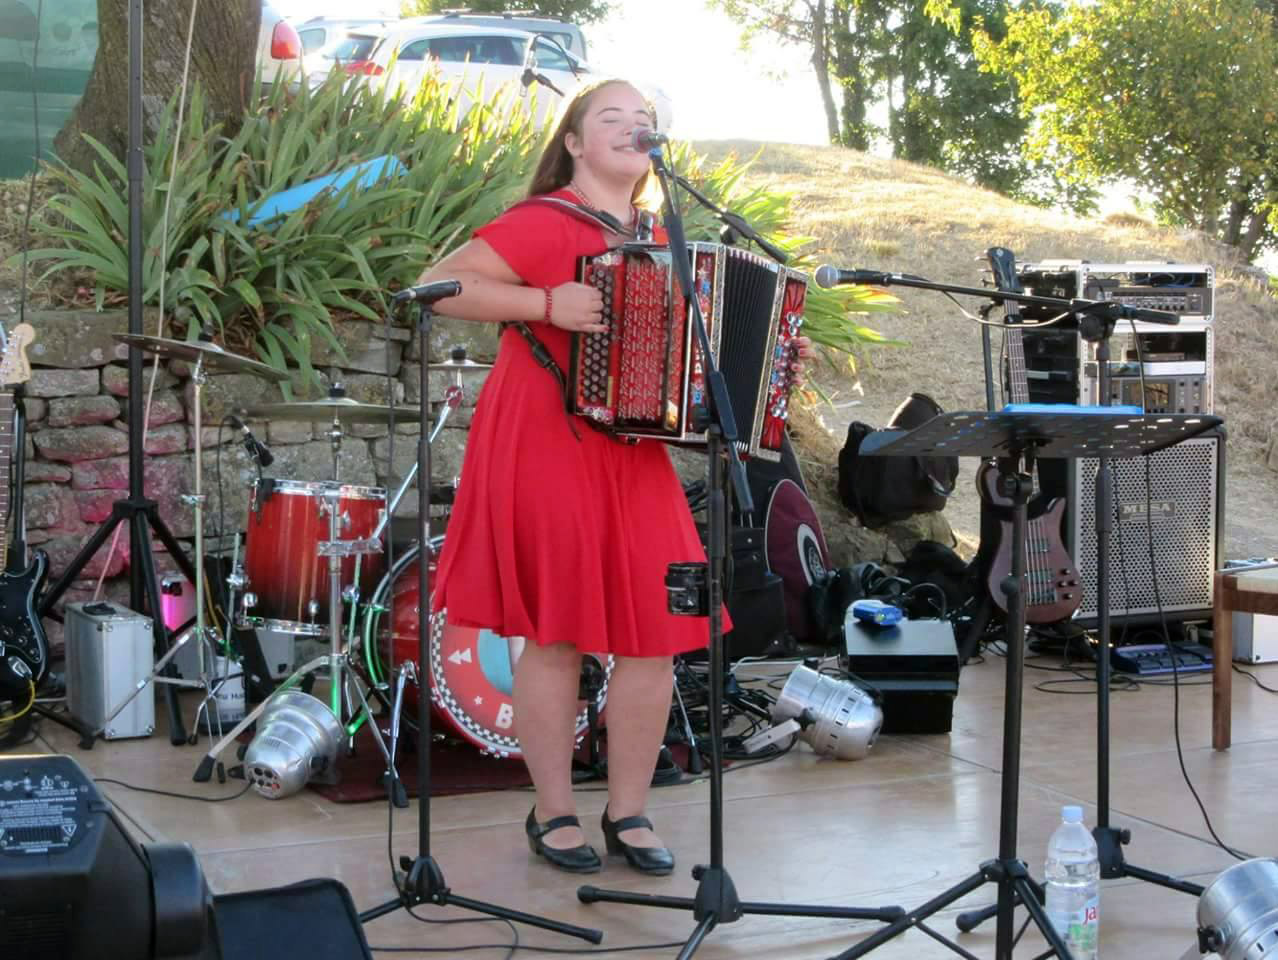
(279, 48)
(328, 43)
(532, 68)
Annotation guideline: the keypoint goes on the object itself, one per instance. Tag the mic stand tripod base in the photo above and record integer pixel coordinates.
(422, 881)
(716, 900)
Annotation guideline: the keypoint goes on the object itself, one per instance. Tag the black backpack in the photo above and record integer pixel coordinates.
(884, 490)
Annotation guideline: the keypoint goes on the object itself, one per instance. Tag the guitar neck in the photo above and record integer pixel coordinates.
(1018, 382)
(6, 465)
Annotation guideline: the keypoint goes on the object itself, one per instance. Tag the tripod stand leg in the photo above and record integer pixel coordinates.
(1023, 886)
(77, 565)
(141, 536)
(913, 917)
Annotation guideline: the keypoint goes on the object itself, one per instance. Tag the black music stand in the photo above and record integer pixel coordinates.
(1016, 440)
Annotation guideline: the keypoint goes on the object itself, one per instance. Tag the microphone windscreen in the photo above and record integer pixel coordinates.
(827, 276)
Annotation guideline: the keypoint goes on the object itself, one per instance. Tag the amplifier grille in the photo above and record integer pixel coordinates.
(1184, 491)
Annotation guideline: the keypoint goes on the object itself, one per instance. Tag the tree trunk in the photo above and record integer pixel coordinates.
(223, 59)
(821, 64)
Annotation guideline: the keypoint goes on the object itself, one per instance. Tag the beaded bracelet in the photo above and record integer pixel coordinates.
(549, 303)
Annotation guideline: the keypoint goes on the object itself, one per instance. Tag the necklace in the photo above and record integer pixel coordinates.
(576, 188)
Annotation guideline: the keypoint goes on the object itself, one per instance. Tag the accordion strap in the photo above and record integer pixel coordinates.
(644, 225)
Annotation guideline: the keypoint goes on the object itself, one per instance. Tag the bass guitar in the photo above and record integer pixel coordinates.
(24, 648)
(1052, 591)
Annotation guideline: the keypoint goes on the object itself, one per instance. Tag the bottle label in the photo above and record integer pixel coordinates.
(1079, 927)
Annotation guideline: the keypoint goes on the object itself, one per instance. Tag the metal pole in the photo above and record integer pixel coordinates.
(135, 170)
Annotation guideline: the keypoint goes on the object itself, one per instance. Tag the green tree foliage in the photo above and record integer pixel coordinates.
(916, 56)
(1180, 96)
(575, 11)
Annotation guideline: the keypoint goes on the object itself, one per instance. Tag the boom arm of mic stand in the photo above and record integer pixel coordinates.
(1108, 309)
(733, 220)
(720, 406)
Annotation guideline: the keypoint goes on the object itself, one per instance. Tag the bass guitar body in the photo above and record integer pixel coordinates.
(21, 632)
(1051, 582)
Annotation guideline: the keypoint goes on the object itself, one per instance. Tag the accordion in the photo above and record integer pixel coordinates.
(645, 376)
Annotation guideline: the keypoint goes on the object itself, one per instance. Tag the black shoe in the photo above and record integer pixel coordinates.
(657, 861)
(582, 859)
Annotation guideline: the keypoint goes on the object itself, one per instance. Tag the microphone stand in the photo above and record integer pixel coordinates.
(716, 900)
(734, 221)
(422, 880)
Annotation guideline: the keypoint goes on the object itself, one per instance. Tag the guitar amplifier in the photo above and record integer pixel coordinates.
(1185, 505)
(109, 650)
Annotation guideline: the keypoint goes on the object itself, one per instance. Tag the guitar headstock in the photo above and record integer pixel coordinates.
(14, 366)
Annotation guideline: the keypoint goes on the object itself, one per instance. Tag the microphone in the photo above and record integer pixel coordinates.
(429, 292)
(255, 447)
(645, 138)
(828, 276)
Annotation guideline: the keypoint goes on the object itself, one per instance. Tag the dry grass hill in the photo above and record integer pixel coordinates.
(876, 213)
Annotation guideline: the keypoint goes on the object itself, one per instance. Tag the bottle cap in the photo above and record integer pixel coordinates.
(1072, 814)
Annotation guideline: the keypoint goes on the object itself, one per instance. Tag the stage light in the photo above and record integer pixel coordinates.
(297, 738)
(835, 717)
(1238, 912)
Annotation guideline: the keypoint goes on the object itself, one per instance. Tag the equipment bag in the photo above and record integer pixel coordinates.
(884, 490)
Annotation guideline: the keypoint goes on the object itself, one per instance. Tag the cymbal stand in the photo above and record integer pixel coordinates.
(201, 634)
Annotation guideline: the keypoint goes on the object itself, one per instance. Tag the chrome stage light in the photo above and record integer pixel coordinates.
(1238, 912)
(297, 738)
(842, 720)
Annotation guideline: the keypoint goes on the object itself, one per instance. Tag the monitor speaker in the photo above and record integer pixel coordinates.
(1185, 506)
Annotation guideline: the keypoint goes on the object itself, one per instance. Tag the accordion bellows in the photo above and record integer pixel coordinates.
(645, 376)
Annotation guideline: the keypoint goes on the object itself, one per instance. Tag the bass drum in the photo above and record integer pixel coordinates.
(471, 670)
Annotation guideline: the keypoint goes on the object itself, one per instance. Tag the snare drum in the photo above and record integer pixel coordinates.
(288, 521)
(471, 670)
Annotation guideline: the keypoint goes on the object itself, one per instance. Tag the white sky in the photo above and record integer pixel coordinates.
(692, 53)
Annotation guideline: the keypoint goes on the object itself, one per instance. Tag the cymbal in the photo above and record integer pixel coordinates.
(335, 408)
(214, 357)
(459, 366)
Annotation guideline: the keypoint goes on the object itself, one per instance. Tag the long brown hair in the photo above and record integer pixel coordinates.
(554, 169)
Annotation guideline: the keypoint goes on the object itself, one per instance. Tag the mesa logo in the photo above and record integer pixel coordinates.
(1158, 510)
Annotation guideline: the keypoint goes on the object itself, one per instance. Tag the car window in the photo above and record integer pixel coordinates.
(417, 50)
(312, 39)
(354, 46)
(547, 56)
(499, 50)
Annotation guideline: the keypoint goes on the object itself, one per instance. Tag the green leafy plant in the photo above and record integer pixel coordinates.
(829, 315)
(276, 285)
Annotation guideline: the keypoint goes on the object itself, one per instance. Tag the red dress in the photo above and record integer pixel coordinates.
(555, 538)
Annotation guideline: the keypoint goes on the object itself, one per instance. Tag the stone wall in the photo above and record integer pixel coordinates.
(78, 417)
(77, 441)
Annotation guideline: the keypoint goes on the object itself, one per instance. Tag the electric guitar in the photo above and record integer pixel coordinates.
(24, 648)
(1052, 591)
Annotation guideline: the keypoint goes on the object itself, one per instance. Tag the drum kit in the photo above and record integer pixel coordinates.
(314, 565)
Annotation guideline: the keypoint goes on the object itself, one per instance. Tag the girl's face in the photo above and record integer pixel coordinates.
(604, 146)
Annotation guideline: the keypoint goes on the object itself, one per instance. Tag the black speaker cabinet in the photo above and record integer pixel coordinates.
(1186, 514)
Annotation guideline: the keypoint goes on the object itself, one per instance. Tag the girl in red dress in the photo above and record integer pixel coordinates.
(560, 533)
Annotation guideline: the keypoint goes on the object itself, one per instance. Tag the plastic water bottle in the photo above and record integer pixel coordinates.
(1073, 885)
